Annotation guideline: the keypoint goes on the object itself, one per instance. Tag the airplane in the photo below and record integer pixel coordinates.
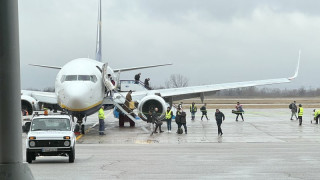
(81, 86)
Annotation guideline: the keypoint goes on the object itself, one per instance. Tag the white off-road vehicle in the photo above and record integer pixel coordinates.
(50, 135)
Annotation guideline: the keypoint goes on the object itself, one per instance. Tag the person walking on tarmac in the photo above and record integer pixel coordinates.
(101, 120)
(293, 108)
(193, 110)
(156, 120)
(219, 118)
(181, 120)
(239, 110)
(169, 115)
(178, 118)
(300, 114)
(316, 115)
(137, 78)
(203, 109)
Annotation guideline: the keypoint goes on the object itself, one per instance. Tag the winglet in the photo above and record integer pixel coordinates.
(297, 70)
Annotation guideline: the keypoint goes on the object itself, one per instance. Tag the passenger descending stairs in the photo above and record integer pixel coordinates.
(118, 98)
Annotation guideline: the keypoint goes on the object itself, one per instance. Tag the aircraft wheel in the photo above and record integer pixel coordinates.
(82, 129)
(77, 128)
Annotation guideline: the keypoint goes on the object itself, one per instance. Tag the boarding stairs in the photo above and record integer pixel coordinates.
(118, 99)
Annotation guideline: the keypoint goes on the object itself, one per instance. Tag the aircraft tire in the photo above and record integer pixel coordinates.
(82, 129)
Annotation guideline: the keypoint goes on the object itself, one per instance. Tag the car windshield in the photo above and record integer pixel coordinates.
(47, 124)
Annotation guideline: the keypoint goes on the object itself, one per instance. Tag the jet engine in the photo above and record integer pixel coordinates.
(29, 103)
(150, 102)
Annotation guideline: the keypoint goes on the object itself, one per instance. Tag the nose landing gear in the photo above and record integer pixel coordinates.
(80, 127)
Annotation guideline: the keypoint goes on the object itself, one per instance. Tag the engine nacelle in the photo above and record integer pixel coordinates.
(149, 103)
(29, 103)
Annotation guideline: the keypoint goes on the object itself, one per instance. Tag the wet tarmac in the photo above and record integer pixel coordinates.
(266, 145)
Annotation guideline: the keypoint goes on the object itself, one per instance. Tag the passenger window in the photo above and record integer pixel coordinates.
(93, 78)
(71, 78)
(83, 78)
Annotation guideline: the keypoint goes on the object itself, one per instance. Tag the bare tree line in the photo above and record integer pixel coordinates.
(268, 92)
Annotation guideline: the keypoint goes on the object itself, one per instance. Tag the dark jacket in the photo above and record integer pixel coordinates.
(155, 117)
(178, 117)
(219, 116)
(137, 77)
(183, 119)
(203, 109)
(146, 82)
(294, 108)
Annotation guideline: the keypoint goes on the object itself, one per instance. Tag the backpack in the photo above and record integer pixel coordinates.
(180, 131)
(290, 106)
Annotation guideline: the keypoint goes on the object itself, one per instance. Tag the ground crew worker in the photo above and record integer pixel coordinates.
(300, 114)
(316, 115)
(101, 120)
(204, 111)
(219, 118)
(169, 115)
(193, 110)
(293, 108)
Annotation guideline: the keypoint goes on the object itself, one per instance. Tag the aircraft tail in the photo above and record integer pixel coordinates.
(98, 43)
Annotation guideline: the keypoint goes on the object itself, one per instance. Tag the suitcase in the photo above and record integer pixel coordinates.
(180, 131)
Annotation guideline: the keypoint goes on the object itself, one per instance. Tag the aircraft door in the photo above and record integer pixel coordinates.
(106, 81)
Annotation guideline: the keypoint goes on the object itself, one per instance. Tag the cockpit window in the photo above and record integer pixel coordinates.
(91, 78)
(71, 78)
(63, 78)
(83, 78)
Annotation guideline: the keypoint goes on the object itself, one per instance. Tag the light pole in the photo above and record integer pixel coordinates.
(11, 165)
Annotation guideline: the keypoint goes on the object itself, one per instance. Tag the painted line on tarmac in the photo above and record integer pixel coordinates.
(80, 136)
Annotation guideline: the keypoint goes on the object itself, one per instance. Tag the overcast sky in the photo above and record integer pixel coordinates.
(208, 41)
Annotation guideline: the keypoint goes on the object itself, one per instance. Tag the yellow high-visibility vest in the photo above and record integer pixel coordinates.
(316, 113)
(101, 114)
(168, 114)
(300, 111)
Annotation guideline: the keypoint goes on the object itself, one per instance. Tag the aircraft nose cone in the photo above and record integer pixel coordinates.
(76, 96)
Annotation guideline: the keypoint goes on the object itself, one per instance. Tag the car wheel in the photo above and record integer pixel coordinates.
(29, 157)
(72, 155)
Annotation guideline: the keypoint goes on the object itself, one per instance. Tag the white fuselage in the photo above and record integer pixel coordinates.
(79, 86)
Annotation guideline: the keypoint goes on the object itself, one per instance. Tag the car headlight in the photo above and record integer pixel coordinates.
(32, 143)
(66, 143)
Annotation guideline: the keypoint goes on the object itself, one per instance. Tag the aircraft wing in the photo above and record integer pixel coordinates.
(45, 66)
(196, 91)
(199, 91)
(141, 67)
(44, 97)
